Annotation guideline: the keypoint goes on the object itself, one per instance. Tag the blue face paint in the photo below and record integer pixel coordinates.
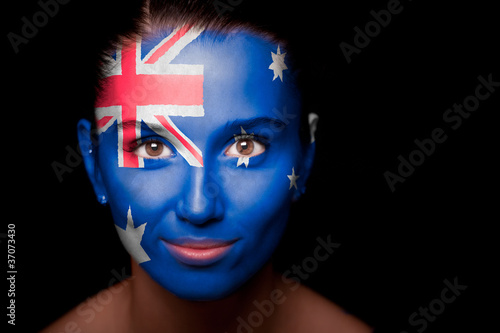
(202, 226)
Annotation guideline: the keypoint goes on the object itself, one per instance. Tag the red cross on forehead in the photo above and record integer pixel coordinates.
(151, 90)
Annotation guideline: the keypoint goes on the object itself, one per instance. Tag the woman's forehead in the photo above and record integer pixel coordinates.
(210, 40)
(192, 72)
(236, 56)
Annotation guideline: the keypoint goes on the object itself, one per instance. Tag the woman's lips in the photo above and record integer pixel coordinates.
(198, 252)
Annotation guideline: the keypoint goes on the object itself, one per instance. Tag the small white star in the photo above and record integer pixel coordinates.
(242, 159)
(278, 64)
(293, 179)
(131, 238)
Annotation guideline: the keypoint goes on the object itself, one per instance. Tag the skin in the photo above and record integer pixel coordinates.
(141, 305)
(245, 204)
(248, 204)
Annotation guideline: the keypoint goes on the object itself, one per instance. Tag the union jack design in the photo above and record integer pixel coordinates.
(151, 89)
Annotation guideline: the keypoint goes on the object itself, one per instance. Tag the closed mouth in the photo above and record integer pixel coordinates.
(194, 252)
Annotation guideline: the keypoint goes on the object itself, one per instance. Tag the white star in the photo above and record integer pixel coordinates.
(293, 179)
(242, 159)
(131, 238)
(278, 64)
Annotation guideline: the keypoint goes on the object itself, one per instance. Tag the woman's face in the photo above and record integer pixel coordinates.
(198, 156)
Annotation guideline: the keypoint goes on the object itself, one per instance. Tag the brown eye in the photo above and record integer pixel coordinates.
(154, 148)
(245, 147)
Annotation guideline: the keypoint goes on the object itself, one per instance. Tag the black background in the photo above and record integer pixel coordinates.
(397, 247)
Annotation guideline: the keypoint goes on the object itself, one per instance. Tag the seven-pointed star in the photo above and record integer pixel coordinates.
(293, 179)
(242, 159)
(131, 238)
(278, 64)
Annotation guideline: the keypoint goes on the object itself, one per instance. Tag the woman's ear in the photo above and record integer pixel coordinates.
(309, 151)
(89, 153)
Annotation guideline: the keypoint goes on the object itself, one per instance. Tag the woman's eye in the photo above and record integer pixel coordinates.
(153, 149)
(246, 148)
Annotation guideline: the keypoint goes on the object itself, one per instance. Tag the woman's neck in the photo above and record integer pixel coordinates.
(154, 309)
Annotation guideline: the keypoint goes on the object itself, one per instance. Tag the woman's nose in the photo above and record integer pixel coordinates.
(198, 204)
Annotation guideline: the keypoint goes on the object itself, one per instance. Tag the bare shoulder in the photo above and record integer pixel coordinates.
(96, 314)
(308, 311)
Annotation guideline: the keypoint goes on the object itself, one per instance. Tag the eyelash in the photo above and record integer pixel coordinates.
(132, 146)
(141, 142)
(262, 144)
(259, 139)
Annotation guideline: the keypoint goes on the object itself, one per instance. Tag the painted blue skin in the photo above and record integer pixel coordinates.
(218, 200)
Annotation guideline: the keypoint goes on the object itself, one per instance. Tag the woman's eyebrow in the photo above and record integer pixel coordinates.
(254, 122)
(232, 126)
(133, 124)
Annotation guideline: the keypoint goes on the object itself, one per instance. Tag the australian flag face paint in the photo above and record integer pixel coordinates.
(199, 156)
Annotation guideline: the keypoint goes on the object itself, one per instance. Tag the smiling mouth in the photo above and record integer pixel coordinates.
(198, 252)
